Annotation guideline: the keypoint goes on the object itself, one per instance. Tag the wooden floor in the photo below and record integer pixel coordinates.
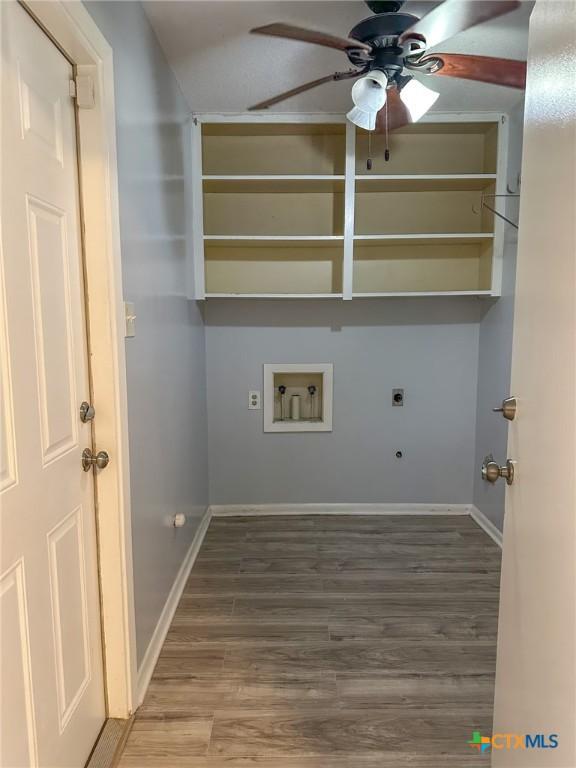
(327, 642)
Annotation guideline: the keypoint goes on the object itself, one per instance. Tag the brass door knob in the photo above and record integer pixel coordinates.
(492, 471)
(100, 460)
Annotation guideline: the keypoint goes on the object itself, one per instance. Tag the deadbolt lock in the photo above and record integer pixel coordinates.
(492, 471)
(87, 412)
(89, 460)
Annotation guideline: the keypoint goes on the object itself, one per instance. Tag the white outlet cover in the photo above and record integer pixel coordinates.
(254, 400)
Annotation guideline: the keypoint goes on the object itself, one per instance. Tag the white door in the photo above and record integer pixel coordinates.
(536, 669)
(52, 679)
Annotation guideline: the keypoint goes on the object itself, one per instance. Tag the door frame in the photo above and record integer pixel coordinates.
(75, 32)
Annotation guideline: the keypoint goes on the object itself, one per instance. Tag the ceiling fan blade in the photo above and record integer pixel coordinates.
(398, 114)
(485, 69)
(454, 16)
(310, 36)
(305, 87)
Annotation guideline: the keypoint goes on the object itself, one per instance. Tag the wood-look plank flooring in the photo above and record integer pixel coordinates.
(327, 642)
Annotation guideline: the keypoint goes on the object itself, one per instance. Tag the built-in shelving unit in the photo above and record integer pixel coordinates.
(286, 207)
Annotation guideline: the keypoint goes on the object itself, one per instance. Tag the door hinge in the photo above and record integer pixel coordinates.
(82, 89)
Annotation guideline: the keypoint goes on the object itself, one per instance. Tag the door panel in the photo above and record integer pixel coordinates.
(7, 438)
(18, 723)
(536, 673)
(40, 110)
(53, 693)
(52, 328)
(68, 597)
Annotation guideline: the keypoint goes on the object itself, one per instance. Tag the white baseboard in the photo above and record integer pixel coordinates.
(235, 510)
(486, 525)
(157, 640)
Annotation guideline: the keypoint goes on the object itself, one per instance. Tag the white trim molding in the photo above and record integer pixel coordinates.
(261, 510)
(157, 640)
(487, 525)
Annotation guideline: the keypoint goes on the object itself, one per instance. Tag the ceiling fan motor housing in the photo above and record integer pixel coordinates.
(390, 61)
(376, 29)
(384, 6)
(382, 33)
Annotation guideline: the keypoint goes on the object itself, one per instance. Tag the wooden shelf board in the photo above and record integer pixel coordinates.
(321, 241)
(274, 184)
(425, 183)
(274, 177)
(263, 241)
(275, 128)
(420, 293)
(424, 176)
(274, 295)
(444, 127)
(436, 238)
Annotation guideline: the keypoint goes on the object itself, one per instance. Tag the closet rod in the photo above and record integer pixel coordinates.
(484, 204)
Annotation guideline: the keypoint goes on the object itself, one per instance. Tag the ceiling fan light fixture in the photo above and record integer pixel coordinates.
(369, 92)
(365, 120)
(417, 99)
(369, 96)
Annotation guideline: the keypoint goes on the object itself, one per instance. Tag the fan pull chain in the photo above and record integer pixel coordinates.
(387, 150)
(369, 160)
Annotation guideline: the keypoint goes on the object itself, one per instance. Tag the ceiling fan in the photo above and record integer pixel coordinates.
(387, 47)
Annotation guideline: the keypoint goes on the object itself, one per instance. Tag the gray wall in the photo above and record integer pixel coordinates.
(495, 350)
(427, 346)
(166, 359)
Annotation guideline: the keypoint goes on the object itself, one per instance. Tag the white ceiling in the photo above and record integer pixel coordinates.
(222, 68)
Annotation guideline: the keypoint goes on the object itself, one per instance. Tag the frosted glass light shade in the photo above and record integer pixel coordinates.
(366, 120)
(369, 92)
(417, 99)
(369, 96)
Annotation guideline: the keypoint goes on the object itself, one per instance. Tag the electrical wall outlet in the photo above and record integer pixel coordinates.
(254, 400)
